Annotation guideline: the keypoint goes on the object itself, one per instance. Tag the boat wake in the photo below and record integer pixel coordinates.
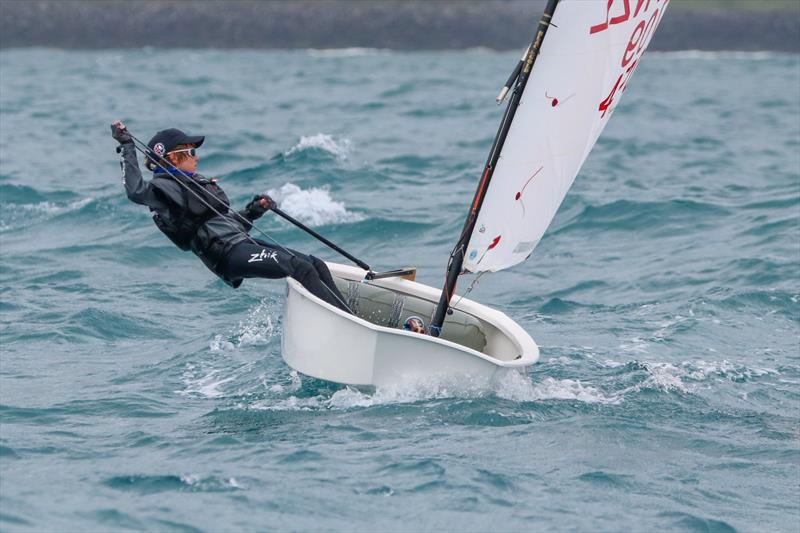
(505, 385)
(235, 370)
(221, 375)
(290, 391)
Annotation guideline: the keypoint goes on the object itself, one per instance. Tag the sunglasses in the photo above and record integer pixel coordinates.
(192, 151)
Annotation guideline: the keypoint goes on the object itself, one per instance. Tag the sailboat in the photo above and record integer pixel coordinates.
(561, 95)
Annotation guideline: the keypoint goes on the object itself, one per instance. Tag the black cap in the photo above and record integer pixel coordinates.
(166, 141)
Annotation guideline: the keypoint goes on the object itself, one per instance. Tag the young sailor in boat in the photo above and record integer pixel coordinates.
(415, 324)
(201, 220)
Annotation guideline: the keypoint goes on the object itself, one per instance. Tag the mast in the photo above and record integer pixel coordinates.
(457, 255)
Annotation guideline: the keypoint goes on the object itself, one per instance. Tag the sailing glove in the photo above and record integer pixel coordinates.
(120, 133)
(260, 204)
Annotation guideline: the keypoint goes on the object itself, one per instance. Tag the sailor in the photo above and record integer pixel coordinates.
(415, 324)
(201, 221)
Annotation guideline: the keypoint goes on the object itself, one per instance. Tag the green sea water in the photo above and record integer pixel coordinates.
(137, 391)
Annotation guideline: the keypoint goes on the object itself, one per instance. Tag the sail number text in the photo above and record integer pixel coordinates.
(619, 12)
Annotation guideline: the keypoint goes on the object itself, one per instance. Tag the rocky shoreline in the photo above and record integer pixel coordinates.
(409, 25)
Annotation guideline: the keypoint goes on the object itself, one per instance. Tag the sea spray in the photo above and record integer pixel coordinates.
(313, 206)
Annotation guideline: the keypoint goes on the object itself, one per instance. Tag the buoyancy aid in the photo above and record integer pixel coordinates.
(188, 213)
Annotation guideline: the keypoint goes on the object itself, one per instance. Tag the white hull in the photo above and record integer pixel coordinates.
(323, 342)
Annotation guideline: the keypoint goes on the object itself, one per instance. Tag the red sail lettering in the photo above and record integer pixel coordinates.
(619, 19)
(633, 42)
(648, 31)
(628, 74)
(605, 104)
(604, 25)
(640, 36)
(625, 16)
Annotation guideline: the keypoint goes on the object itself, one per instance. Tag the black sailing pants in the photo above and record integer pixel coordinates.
(262, 260)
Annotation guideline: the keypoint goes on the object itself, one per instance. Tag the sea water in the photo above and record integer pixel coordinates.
(140, 392)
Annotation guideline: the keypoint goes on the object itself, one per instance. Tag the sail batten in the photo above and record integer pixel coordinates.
(585, 62)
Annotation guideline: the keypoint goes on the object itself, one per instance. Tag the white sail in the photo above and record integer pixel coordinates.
(586, 60)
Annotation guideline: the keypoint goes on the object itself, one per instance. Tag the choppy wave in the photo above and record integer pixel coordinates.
(321, 142)
(313, 206)
(626, 214)
(15, 215)
(151, 484)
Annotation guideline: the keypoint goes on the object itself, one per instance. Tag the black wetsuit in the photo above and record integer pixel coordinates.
(221, 240)
(262, 260)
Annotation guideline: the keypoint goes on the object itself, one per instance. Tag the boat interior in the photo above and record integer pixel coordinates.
(389, 308)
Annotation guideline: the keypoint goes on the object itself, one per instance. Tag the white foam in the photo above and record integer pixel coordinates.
(520, 388)
(206, 385)
(52, 208)
(220, 344)
(663, 376)
(324, 142)
(13, 212)
(509, 385)
(563, 360)
(294, 384)
(190, 479)
(682, 377)
(312, 206)
(210, 483)
(207, 378)
(436, 387)
(703, 370)
(258, 328)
